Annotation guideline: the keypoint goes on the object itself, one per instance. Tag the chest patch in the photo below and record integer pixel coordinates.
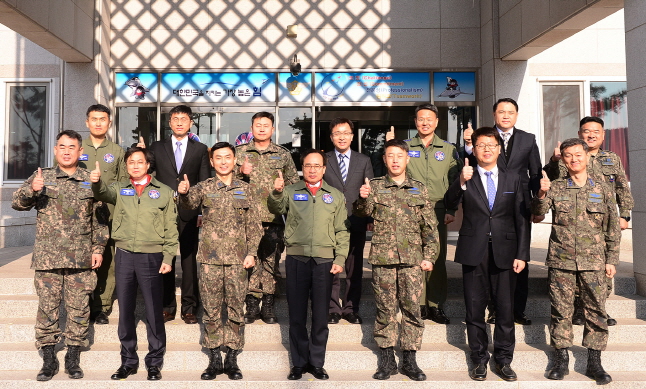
(327, 198)
(439, 155)
(413, 154)
(153, 194)
(84, 157)
(109, 158)
(301, 196)
(127, 192)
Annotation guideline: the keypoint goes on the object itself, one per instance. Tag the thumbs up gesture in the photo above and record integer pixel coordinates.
(279, 183)
(365, 189)
(141, 143)
(95, 175)
(246, 167)
(390, 135)
(557, 153)
(467, 172)
(38, 182)
(183, 186)
(545, 185)
(466, 136)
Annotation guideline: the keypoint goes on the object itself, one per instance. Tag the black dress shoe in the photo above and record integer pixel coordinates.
(101, 318)
(154, 374)
(123, 372)
(491, 318)
(189, 318)
(318, 372)
(522, 320)
(296, 373)
(505, 372)
(333, 318)
(437, 315)
(352, 318)
(168, 316)
(479, 372)
(611, 321)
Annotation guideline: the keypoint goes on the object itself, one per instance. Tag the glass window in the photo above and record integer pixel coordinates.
(26, 130)
(608, 100)
(561, 113)
(133, 122)
(295, 131)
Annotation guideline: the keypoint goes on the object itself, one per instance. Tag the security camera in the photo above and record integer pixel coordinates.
(295, 66)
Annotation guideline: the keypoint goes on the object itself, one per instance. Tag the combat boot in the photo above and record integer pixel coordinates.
(267, 310)
(215, 365)
(410, 368)
(50, 364)
(253, 309)
(73, 361)
(386, 365)
(231, 364)
(561, 363)
(595, 370)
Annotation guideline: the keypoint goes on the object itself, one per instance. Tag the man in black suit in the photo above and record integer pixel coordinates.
(493, 247)
(519, 155)
(176, 157)
(347, 171)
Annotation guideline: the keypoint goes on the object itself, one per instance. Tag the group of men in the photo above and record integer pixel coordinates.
(257, 189)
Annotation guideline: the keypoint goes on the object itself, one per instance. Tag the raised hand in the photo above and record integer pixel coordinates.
(246, 167)
(545, 183)
(467, 172)
(365, 189)
(141, 143)
(557, 153)
(183, 186)
(38, 182)
(95, 175)
(390, 135)
(279, 183)
(466, 135)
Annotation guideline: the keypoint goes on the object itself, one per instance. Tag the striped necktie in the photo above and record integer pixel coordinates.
(342, 167)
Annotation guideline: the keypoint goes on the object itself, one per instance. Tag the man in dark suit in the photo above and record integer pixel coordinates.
(175, 157)
(493, 247)
(347, 171)
(519, 155)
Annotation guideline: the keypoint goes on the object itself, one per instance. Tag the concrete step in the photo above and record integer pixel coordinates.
(626, 331)
(623, 286)
(630, 307)
(272, 357)
(339, 379)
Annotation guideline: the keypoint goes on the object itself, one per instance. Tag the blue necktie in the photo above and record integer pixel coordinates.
(491, 190)
(178, 156)
(344, 170)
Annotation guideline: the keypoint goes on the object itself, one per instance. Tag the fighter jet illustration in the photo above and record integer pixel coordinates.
(452, 89)
(138, 89)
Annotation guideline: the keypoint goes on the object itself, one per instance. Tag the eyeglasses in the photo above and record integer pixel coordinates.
(180, 120)
(340, 134)
(312, 167)
(490, 146)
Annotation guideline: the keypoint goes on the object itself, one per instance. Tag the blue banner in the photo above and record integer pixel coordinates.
(375, 87)
(136, 87)
(218, 87)
(454, 86)
(295, 88)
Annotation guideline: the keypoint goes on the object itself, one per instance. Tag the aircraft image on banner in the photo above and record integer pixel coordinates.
(138, 89)
(452, 89)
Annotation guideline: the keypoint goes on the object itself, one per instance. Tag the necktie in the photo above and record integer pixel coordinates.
(491, 190)
(342, 167)
(505, 139)
(178, 156)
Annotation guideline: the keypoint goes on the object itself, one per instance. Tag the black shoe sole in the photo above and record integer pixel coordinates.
(46, 378)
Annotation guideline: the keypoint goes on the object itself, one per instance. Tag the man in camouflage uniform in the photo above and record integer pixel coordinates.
(583, 250)
(434, 162)
(404, 243)
(604, 165)
(71, 234)
(97, 147)
(258, 163)
(231, 231)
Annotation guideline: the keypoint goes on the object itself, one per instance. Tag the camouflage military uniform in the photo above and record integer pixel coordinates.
(266, 164)
(405, 234)
(70, 227)
(231, 230)
(113, 168)
(585, 237)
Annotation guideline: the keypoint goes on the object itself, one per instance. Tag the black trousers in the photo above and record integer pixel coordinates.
(188, 240)
(354, 274)
(133, 270)
(501, 282)
(308, 281)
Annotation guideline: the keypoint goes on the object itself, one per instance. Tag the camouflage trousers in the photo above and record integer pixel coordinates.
(266, 272)
(223, 284)
(396, 285)
(74, 287)
(593, 289)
